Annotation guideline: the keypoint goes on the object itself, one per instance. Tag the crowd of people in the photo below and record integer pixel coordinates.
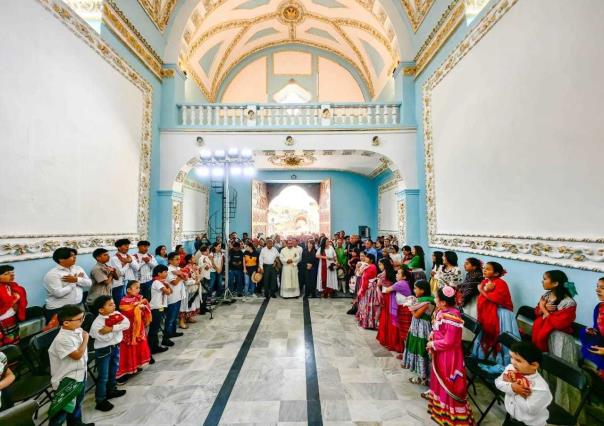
(138, 301)
(418, 313)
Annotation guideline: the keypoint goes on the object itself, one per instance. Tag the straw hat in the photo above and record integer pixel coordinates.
(256, 277)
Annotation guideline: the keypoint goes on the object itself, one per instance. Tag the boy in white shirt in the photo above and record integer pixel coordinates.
(126, 265)
(68, 356)
(527, 394)
(175, 279)
(160, 289)
(107, 332)
(144, 262)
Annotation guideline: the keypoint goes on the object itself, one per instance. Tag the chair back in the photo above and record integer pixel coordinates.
(20, 415)
(87, 321)
(39, 345)
(13, 356)
(570, 374)
(527, 312)
(507, 339)
(34, 312)
(471, 323)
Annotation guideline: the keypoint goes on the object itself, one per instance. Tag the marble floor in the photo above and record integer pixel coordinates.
(360, 383)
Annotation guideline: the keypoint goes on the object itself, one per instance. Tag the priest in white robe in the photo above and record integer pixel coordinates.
(290, 256)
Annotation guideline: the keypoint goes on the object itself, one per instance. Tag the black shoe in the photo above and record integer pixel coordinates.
(103, 406)
(122, 380)
(177, 334)
(83, 424)
(352, 310)
(158, 350)
(239, 295)
(152, 361)
(168, 343)
(274, 296)
(115, 393)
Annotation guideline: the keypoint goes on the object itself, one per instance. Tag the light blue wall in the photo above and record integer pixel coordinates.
(524, 277)
(353, 198)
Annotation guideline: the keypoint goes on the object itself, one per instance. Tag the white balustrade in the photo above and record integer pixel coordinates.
(349, 115)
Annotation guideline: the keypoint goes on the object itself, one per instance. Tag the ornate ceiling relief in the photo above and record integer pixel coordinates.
(416, 11)
(359, 33)
(159, 11)
(290, 159)
(580, 253)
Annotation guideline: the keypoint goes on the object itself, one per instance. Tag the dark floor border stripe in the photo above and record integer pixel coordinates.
(224, 394)
(313, 401)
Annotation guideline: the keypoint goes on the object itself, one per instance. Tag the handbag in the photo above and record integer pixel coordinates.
(64, 399)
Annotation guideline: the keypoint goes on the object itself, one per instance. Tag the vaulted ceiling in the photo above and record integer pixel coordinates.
(220, 34)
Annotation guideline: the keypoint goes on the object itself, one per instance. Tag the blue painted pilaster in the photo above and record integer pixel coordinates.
(406, 85)
(173, 90)
(166, 216)
(411, 220)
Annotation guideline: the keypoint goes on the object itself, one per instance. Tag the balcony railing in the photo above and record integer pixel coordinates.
(265, 116)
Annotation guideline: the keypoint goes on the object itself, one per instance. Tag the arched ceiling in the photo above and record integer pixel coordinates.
(221, 33)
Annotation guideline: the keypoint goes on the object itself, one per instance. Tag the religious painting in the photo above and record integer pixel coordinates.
(293, 212)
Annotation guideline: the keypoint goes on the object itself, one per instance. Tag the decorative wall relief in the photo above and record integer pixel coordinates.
(32, 246)
(564, 251)
(402, 222)
(177, 231)
(259, 208)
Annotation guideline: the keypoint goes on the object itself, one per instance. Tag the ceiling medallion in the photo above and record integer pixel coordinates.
(290, 159)
(291, 12)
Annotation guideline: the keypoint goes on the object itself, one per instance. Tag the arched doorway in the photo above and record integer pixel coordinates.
(293, 212)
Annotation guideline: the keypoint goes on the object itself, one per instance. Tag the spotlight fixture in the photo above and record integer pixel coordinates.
(202, 171)
(205, 154)
(289, 141)
(246, 153)
(236, 170)
(200, 141)
(217, 171)
(248, 171)
(219, 154)
(375, 141)
(233, 152)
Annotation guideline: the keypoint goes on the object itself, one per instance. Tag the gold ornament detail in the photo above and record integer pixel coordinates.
(117, 22)
(291, 12)
(290, 160)
(416, 11)
(159, 11)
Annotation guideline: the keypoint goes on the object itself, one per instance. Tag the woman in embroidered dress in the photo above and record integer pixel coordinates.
(495, 314)
(592, 339)
(400, 316)
(387, 334)
(467, 291)
(134, 349)
(189, 307)
(416, 357)
(556, 310)
(327, 277)
(448, 274)
(368, 296)
(447, 397)
(13, 302)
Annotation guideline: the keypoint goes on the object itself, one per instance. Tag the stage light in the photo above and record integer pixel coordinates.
(217, 171)
(233, 152)
(205, 154)
(202, 171)
(246, 153)
(219, 153)
(248, 171)
(236, 171)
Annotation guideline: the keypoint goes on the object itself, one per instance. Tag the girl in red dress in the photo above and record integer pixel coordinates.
(134, 349)
(13, 301)
(388, 334)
